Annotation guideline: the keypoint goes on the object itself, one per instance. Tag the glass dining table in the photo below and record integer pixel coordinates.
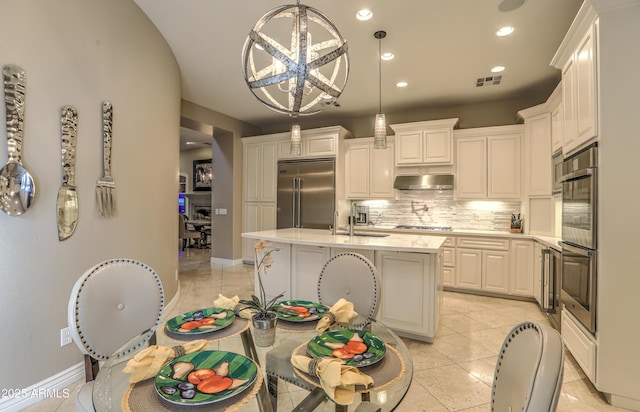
(392, 375)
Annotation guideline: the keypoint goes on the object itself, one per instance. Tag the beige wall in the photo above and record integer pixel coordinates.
(81, 53)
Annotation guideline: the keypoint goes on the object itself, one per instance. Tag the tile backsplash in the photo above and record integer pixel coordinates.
(438, 208)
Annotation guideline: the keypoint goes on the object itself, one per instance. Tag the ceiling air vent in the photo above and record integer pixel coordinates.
(488, 81)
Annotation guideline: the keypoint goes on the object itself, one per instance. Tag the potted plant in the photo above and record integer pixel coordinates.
(264, 318)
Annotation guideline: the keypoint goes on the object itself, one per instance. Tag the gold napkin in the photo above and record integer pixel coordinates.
(337, 380)
(148, 362)
(232, 304)
(341, 312)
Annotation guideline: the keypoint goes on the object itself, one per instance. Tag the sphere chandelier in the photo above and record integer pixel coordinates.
(295, 60)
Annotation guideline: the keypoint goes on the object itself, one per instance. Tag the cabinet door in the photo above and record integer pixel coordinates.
(495, 271)
(585, 91)
(357, 163)
(449, 256)
(319, 145)
(570, 126)
(381, 173)
(503, 173)
(448, 276)
(437, 147)
(307, 262)
(278, 278)
(521, 273)
(409, 148)
(471, 161)
(250, 223)
(269, 171)
(252, 171)
(538, 155)
(469, 268)
(268, 216)
(556, 128)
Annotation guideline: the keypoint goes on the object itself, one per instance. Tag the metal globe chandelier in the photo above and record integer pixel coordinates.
(295, 60)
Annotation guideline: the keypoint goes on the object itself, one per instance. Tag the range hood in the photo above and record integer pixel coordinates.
(424, 182)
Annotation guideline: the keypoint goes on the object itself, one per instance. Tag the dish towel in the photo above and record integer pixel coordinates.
(148, 362)
(234, 305)
(337, 380)
(341, 312)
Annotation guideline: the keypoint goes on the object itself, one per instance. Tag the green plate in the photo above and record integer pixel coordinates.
(182, 391)
(329, 344)
(316, 310)
(182, 324)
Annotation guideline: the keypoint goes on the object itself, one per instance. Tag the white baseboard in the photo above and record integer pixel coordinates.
(53, 387)
(226, 262)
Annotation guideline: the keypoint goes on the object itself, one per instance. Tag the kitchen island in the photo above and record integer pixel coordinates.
(409, 270)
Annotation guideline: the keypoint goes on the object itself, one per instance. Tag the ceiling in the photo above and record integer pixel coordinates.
(441, 46)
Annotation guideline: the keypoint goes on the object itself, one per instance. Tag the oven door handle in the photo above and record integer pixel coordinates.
(589, 171)
(577, 250)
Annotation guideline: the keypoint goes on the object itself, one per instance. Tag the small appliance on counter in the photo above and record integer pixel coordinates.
(362, 215)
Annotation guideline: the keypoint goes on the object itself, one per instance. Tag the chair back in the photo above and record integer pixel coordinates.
(113, 302)
(528, 375)
(353, 277)
(182, 226)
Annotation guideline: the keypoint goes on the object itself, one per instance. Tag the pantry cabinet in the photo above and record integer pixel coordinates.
(256, 216)
(260, 165)
(424, 143)
(369, 172)
(488, 163)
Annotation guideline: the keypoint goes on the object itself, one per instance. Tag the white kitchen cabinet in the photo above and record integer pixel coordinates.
(278, 277)
(306, 264)
(311, 146)
(521, 275)
(580, 343)
(256, 216)
(495, 271)
(537, 154)
(424, 143)
(578, 62)
(410, 296)
(369, 172)
(488, 163)
(368, 253)
(468, 268)
(260, 167)
(482, 264)
(557, 124)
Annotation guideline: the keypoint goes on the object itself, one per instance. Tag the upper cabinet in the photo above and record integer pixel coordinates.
(424, 143)
(369, 172)
(322, 142)
(488, 163)
(537, 150)
(577, 57)
(259, 177)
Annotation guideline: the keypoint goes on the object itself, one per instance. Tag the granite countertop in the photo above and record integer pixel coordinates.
(398, 242)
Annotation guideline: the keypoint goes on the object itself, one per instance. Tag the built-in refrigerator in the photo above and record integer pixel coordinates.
(306, 193)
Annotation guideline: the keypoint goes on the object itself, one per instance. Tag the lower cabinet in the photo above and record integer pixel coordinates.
(410, 293)
(522, 264)
(256, 216)
(306, 264)
(278, 278)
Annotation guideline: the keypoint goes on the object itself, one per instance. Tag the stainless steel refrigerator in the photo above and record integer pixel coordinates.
(306, 193)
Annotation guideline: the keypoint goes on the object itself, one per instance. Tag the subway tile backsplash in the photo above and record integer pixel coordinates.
(433, 208)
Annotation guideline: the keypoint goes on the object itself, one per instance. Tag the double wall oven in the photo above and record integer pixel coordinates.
(579, 236)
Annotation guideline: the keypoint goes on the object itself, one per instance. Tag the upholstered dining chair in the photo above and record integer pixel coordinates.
(353, 277)
(111, 303)
(529, 370)
(185, 234)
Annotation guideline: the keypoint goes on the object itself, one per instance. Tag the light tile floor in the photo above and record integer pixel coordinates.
(452, 374)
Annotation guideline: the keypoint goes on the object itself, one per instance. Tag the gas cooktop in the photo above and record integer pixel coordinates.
(434, 228)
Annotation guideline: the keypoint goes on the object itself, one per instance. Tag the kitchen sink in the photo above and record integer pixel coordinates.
(434, 228)
(369, 234)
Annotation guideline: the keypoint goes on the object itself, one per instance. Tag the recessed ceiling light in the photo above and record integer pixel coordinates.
(402, 84)
(364, 14)
(497, 69)
(190, 143)
(505, 31)
(387, 56)
(327, 96)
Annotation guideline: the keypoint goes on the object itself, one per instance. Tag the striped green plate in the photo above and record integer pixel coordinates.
(183, 391)
(336, 344)
(200, 321)
(314, 310)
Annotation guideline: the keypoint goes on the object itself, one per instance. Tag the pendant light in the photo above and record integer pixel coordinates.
(380, 126)
(296, 146)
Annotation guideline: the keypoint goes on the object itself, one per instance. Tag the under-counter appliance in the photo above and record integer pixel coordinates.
(306, 193)
(579, 235)
(551, 283)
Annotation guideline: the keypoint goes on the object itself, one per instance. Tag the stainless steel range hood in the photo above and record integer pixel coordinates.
(424, 182)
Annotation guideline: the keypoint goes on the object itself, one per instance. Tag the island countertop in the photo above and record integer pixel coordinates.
(399, 242)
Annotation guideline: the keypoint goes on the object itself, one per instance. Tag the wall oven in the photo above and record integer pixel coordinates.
(579, 236)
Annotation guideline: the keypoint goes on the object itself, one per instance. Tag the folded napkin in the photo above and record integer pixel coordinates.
(148, 362)
(337, 380)
(234, 305)
(341, 312)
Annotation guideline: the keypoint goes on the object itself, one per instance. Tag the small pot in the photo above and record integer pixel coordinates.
(264, 329)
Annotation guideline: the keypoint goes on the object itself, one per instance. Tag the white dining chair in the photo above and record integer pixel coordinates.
(353, 277)
(111, 303)
(529, 370)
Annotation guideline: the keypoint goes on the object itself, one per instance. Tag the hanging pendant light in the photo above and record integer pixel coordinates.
(296, 146)
(380, 126)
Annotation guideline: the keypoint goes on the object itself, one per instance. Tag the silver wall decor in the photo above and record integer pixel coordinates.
(67, 204)
(105, 186)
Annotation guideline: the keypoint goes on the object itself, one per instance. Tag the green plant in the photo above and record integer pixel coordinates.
(263, 261)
